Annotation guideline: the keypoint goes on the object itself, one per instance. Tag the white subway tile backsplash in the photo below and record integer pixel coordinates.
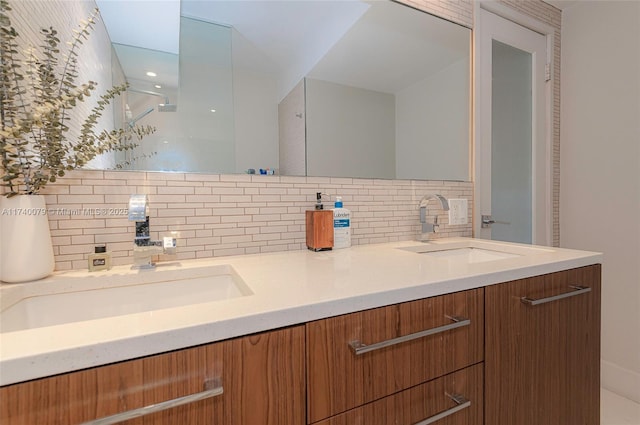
(236, 219)
(208, 219)
(213, 240)
(175, 190)
(200, 178)
(218, 215)
(228, 251)
(238, 178)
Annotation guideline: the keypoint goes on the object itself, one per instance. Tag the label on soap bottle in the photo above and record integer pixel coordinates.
(341, 228)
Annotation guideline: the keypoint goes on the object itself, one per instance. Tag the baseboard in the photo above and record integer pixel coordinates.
(619, 380)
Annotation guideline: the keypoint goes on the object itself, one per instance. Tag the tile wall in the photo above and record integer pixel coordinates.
(458, 11)
(218, 215)
(95, 55)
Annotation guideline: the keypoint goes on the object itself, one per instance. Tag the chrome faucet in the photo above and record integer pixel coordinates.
(144, 248)
(426, 226)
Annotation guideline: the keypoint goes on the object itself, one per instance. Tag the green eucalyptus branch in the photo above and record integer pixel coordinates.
(131, 162)
(35, 144)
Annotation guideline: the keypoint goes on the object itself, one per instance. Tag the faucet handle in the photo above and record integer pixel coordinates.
(138, 207)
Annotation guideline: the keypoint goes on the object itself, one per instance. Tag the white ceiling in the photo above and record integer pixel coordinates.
(286, 38)
(164, 64)
(392, 47)
(290, 38)
(151, 24)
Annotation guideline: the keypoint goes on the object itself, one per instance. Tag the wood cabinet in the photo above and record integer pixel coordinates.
(261, 377)
(542, 360)
(524, 352)
(411, 343)
(73, 398)
(454, 399)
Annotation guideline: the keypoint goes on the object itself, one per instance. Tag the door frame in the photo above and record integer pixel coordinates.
(543, 231)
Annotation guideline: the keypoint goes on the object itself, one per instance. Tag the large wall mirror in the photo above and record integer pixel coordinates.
(346, 88)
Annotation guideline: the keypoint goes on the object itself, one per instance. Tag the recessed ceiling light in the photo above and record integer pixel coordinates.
(151, 74)
(165, 142)
(158, 86)
(213, 110)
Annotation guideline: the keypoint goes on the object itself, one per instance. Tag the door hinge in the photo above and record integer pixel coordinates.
(547, 72)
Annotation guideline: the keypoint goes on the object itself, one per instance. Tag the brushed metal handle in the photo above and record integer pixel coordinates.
(577, 290)
(461, 403)
(359, 348)
(487, 221)
(212, 387)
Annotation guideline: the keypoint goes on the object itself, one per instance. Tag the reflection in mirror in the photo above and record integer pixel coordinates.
(187, 98)
(322, 88)
(391, 99)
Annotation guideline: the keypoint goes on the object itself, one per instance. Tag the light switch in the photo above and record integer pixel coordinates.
(458, 212)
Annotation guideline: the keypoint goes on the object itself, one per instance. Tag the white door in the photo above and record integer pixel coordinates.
(512, 153)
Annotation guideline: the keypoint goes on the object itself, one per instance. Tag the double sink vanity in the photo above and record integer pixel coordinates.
(452, 331)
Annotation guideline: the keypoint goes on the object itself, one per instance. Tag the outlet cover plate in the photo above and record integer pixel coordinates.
(458, 212)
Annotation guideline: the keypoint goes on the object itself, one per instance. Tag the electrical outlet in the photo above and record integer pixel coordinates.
(458, 212)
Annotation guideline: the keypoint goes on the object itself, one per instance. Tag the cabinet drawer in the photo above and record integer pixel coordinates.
(117, 390)
(542, 362)
(243, 381)
(429, 403)
(340, 379)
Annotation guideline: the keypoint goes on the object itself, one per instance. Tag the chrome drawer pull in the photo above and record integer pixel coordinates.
(212, 388)
(359, 348)
(578, 291)
(462, 403)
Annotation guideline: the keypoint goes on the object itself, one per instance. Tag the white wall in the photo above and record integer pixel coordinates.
(206, 80)
(291, 125)
(600, 169)
(432, 136)
(350, 131)
(256, 120)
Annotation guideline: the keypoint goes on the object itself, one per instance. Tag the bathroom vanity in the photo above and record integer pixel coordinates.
(457, 331)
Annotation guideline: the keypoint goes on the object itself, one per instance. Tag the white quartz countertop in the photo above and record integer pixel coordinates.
(287, 288)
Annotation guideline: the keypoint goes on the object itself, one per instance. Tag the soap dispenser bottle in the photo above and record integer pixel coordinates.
(319, 226)
(341, 225)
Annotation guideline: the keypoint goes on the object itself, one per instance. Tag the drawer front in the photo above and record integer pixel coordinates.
(265, 375)
(410, 343)
(243, 381)
(543, 349)
(76, 397)
(454, 399)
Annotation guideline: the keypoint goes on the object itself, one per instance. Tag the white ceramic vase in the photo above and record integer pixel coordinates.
(26, 251)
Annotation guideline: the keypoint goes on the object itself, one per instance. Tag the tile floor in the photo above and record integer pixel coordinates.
(617, 410)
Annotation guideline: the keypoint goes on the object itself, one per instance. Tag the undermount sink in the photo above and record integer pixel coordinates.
(109, 296)
(470, 255)
(473, 251)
